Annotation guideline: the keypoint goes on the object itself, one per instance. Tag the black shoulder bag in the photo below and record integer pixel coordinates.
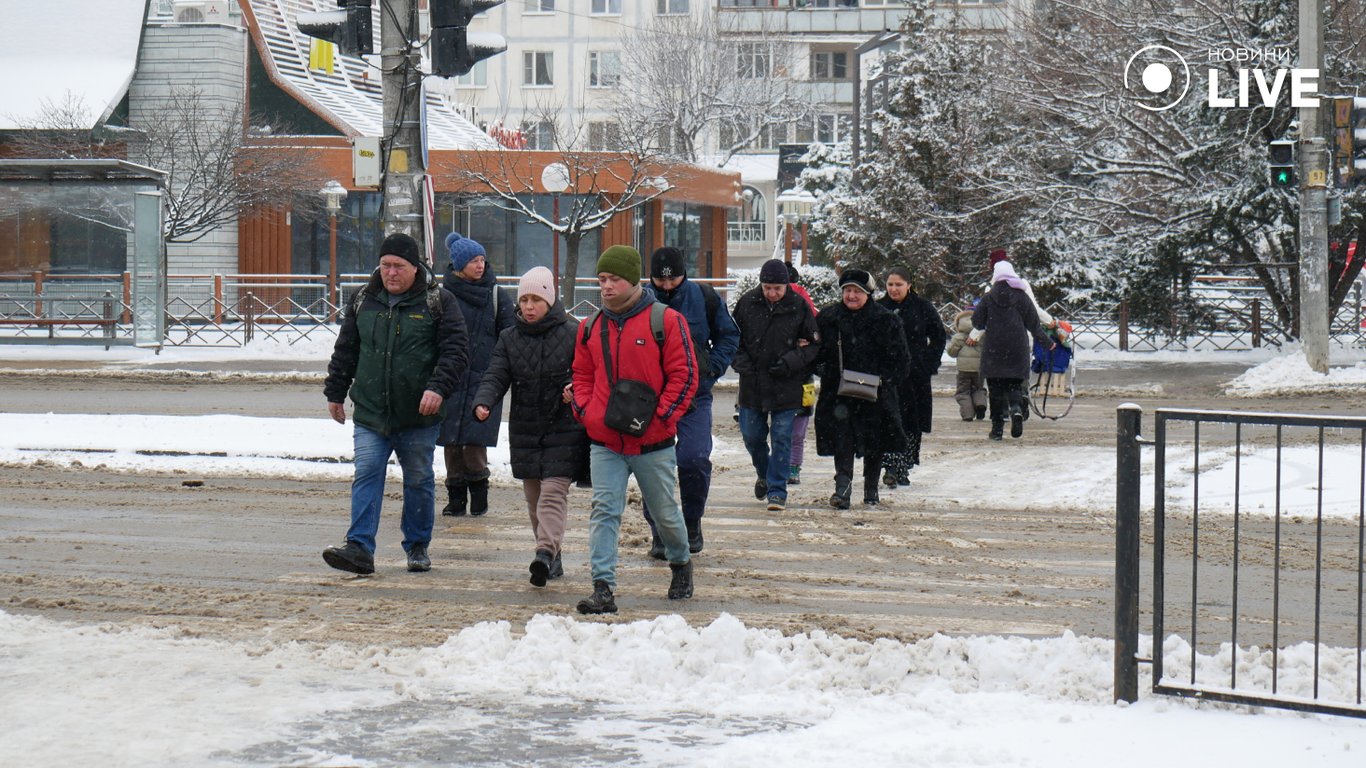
(631, 404)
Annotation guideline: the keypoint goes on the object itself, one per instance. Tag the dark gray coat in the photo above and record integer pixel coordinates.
(1008, 317)
(482, 325)
(771, 364)
(535, 361)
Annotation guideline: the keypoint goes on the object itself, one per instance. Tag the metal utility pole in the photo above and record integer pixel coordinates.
(1313, 200)
(405, 162)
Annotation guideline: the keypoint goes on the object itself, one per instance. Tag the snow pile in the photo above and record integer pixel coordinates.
(1290, 374)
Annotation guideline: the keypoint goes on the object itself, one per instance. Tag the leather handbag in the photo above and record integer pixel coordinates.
(856, 384)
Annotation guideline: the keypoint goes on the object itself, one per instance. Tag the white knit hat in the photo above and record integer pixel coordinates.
(537, 282)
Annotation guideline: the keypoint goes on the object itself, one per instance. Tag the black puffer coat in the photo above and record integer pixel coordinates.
(535, 360)
(925, 339)
(873, 343)
(482, 324)
(772, 365)
(1008, 317)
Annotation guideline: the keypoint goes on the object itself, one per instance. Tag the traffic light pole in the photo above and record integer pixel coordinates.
(404, 170)
(1314, 180)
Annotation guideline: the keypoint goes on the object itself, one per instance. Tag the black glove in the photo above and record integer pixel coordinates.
(778, 369)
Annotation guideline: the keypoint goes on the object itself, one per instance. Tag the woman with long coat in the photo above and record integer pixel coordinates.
(857, 334)
(1008, 317)
(549, 447)
(488, 310)
(925, 338)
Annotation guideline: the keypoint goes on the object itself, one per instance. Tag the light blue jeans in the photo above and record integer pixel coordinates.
(656, 474)
(415, 449)
(770, 463)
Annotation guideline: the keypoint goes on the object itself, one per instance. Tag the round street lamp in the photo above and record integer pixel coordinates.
(332, 194)
(555, 179)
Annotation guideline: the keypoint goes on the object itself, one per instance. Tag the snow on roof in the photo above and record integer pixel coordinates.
(64, 53)
(754, 168)
(351, 95)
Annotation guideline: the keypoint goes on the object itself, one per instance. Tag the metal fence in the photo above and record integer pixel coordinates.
(217, 309)
(1259, 535)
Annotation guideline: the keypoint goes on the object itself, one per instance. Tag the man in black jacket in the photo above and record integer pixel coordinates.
(399, 353)
(778, 343)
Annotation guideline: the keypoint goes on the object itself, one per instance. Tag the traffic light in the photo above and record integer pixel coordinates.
(1281, 159)
(455, 50)
(349, 27)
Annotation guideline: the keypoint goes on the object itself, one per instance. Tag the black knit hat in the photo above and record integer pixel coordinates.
(667, 263)
(859, 279)
(793, 276)
(403, 246)
(773, 272)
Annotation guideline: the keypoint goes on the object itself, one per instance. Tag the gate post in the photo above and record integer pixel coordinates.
(1124, 326)
(1129, 421)
(1256, 323)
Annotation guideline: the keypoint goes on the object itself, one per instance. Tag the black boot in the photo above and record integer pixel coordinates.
(456, 506)
(1016, 422)
(540, 567)
(981, 412)
(656, 546)
(601, 601)
(695, 537)
(870, 497)
(418, 562)
(844, 488)
(479, 497)
(997, 429)
(556, 567)
(680, 588)
(350, 557)
(889, 478)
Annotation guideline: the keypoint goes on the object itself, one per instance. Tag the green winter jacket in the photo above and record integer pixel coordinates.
(387, 356)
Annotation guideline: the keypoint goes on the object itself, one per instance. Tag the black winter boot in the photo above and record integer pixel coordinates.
(418, 562)
(540, 567)
(656, 547)
(456, 506)
(844, 488)
(997, 430)
(350, 557)
(1016, 422)
(479, 497)
(556, 567)
(695, 537)
(680, 588)
(601, 601)
(870, 497)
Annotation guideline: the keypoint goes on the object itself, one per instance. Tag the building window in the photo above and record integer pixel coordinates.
(478, 77)
(770, 136)
(604, 69)
(538, 6)
(606, 7)
(604, 136)
(753, 60)
(538, 68)
(849, 3)
(832, 128)
(672, 7)
(747, 223)
(829, 65)
(540, 135)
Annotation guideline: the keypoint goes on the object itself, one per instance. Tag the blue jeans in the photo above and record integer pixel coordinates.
(654, 472)
(693, 454)
(771, 462)
(415, 449)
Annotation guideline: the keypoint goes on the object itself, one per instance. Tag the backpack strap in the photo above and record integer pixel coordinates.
(588, 327)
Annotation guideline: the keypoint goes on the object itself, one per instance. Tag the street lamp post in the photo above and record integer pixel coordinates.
(555, 179)
(333, 194)
(795, 207)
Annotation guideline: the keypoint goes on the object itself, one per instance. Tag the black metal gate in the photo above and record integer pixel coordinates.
(1259, 535)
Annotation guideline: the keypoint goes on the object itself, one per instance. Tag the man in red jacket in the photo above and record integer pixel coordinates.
(618, 352)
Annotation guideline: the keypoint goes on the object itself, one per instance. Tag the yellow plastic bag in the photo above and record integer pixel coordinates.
(808, 395)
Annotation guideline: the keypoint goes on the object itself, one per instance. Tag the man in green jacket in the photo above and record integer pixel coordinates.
(400, 352)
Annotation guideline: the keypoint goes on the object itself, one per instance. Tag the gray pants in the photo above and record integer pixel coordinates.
(547, 502)
(970, 393)
(466, 463)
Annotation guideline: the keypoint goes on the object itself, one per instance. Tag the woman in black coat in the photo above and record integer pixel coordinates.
(925, 339)
(1008, 317)
(549, 447)
(869, 339)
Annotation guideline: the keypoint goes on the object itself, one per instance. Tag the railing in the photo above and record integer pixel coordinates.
(1259, 535)
(746, 232)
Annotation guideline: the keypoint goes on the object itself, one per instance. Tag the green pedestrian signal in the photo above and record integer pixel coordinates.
(1281, 159)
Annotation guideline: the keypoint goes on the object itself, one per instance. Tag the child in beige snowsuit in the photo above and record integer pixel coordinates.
(971, 392)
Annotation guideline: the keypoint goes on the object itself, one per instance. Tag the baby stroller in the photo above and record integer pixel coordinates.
(1054, 389)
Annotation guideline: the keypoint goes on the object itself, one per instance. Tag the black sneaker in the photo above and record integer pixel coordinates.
(601, 601)
(656, 547)
(695, 541)
(680, 587)
(350, 557)
(418, 562)
(540, 567)
(760, 490)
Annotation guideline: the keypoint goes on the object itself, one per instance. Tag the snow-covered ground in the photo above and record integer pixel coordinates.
(656, 692)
